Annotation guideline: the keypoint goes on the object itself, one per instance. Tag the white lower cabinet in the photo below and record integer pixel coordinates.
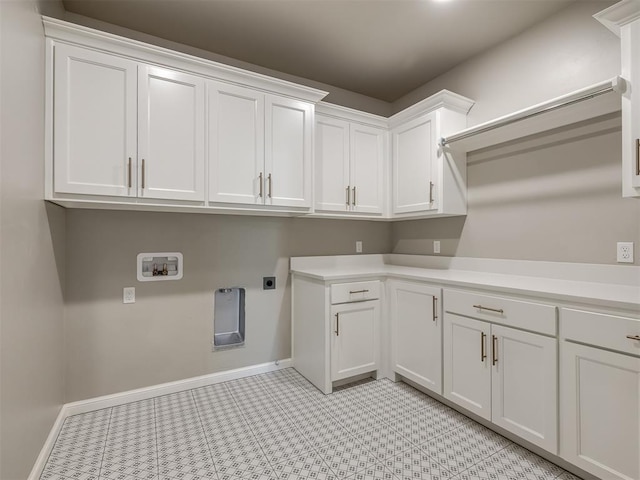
(600, 394)
(416, 333)
(503, 374)
(354, 339)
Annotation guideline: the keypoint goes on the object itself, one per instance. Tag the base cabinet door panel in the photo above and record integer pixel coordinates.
(524, 385)
(600, 398)
(416, 333)
(354, 339)
(467, 368)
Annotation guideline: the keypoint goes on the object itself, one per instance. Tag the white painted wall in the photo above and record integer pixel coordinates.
(166, 335)
(555, 197)
(31, 249)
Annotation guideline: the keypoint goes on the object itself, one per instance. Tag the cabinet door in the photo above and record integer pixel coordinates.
(332, 164)
(467, 364)
(236, 144)
(367, 156)
(288, 133)
(95, 123)
(524, 385)
(416, 333)
(170, 134)
(354, 345)
(631, 107)
(414, 157)
(600, 402)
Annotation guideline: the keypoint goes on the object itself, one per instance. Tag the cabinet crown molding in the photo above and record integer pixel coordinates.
(340, 112)
(619, 14)
(61, 30)
(442, 99)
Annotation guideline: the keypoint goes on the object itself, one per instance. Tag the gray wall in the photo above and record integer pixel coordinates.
(166, 335)
(31, 251)
(554, 197)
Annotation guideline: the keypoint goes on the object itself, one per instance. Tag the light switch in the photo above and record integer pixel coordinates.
(129, 295)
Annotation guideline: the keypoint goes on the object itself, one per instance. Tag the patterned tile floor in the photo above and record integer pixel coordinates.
(279, 426)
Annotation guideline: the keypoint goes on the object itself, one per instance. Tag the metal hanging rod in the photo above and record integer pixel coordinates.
(616, 84)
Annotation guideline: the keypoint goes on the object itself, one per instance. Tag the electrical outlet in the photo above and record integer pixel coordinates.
(436, 246)
(268, 283)
(129, 295)
(358, 246)
(625, 252)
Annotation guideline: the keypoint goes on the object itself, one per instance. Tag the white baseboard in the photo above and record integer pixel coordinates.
(107, 401)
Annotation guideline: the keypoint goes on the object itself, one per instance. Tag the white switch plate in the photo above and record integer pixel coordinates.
(625, 252)
(358, 246)
(436, 246)
(129, 295)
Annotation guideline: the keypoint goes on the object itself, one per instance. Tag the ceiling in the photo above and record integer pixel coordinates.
(380, 48)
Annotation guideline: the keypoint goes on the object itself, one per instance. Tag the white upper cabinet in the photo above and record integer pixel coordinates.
(287, 152)
(414, 165)
(367, 168)
(95, 123)
(332, 164)
(428, 180)
(138, 126)
(623, 19)
(236, 144)
(170, 134)
(349, 162)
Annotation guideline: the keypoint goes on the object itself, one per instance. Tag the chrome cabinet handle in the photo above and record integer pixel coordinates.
(430, 192)
(497, 310)
(354, 196)
(483, 346)
(261, 185)
(637, 156)
(348, 196)
(435, 308)
(129, 171)
(634, 337)
(351, 292)
(337, 324)
(270, 185)
(143, 174)
(494, 349)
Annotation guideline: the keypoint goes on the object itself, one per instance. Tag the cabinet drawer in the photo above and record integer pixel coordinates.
(355, 291)
(536, 317)
(602, 330)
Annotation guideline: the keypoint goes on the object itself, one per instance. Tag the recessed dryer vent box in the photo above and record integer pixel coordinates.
(153, 267)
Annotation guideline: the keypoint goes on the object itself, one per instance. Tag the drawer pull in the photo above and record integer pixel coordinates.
(483, 346)
(634, 337)
(497, 310)
(337, 324)
(351, 292)
(435, 308)
(494, 350)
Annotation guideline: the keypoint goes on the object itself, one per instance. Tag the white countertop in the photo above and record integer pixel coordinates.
(567, 282)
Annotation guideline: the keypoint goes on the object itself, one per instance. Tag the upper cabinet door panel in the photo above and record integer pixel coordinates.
(367, 157)
(236, 144)
(332, 164)
(288, 134)
(171, 134)
(414, 149)
(95, 122)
